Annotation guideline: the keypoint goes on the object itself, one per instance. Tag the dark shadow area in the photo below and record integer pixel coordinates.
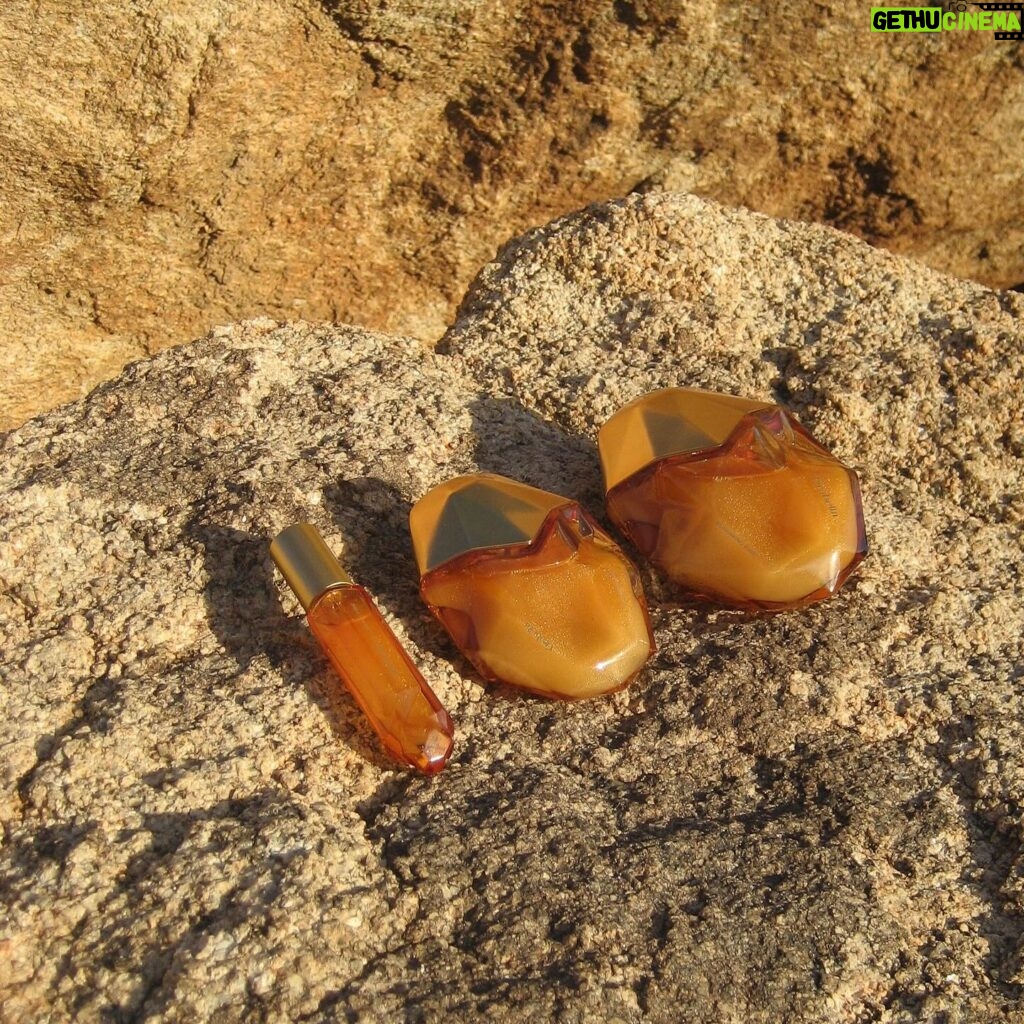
(372, 517)
(168, 831)
(246, 614)
(381, 54)
(994, 852)
(515, 442)
(239, 595)
(28, 854)
(798, 399)
(160, 957)
(101, 702)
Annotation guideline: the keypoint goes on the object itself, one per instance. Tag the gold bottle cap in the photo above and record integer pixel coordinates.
(307, 563)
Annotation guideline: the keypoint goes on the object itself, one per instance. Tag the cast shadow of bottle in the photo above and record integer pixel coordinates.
(515, 442)
(245, 612)
(372, 517)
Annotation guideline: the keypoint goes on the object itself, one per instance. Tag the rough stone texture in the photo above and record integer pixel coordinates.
(813, 816)
(173, 165)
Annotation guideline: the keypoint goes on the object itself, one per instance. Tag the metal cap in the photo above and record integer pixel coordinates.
(307, 563)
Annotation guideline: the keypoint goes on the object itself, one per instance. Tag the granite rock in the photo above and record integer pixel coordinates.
(183, 163)
(812, 816)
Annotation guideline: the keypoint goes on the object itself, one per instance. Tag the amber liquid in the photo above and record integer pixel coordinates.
(386, 685)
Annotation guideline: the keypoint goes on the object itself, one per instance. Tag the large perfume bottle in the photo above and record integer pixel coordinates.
(530, 587)
(731, 498)
(366, 654)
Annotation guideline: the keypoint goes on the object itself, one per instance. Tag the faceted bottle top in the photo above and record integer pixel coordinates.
(307, 563)
(673, 421)
(482, 510)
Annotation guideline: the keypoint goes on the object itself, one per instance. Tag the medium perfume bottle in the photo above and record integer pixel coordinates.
(530, 587)
(366, 654)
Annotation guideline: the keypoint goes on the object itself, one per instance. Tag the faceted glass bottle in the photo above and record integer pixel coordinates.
(366, 654)
(530, 588)
(732, 499)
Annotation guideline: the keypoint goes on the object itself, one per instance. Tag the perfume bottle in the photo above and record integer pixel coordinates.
(366, 654)
(530, 587)
(732, 499)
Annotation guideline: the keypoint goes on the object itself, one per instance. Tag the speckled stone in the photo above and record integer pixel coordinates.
(175, 164)
(808, 817)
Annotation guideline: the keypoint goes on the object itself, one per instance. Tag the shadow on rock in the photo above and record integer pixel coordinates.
(197, 843)
(995, 852)
(518, 443)
(246, 615)
(372, 516)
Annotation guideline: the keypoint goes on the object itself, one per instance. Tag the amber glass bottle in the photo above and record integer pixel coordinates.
(530, 587)
(366, 654)
(732, 499)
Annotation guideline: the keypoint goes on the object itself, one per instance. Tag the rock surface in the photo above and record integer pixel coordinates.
(177, 164)
(813, 816)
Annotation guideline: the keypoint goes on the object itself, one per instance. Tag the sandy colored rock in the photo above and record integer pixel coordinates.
(806, 817)
(180, 164)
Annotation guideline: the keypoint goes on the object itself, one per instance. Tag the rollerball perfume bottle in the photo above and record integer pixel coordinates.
(366, 654)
